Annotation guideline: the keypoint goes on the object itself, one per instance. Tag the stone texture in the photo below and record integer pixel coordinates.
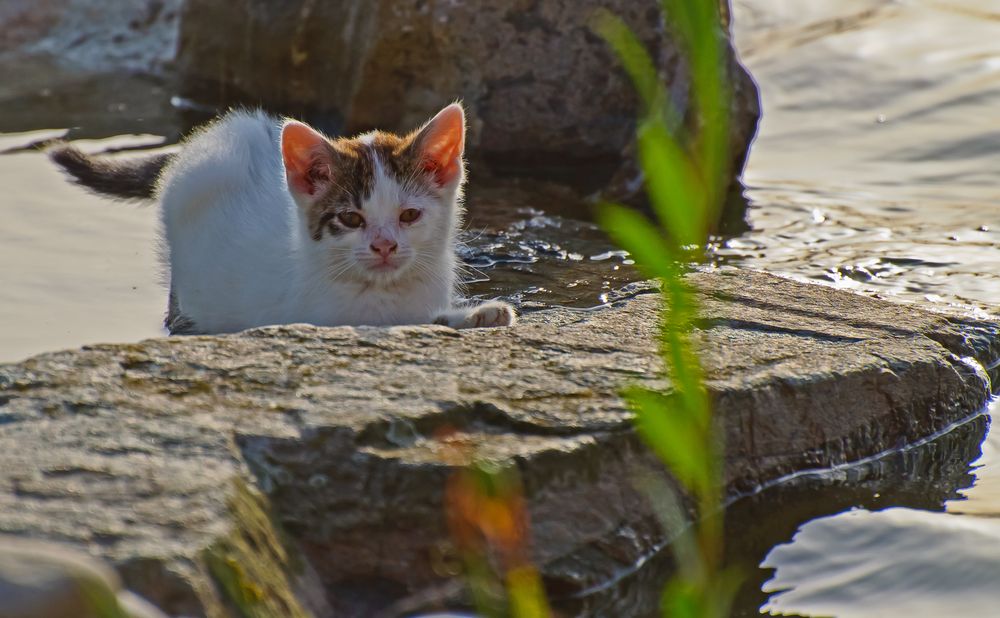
(90, 35)
(300, 470)
(545, 94)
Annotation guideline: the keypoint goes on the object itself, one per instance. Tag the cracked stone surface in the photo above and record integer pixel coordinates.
(322, 453)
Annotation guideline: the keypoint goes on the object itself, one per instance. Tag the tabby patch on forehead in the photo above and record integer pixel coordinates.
(397, 156)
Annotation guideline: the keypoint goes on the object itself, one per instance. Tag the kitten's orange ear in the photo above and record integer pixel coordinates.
(308, 160)
(442, 142)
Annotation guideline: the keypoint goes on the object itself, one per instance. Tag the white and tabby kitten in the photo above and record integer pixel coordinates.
(271, 222)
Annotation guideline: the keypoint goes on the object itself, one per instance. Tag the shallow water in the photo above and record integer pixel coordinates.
(941, 559)
(876, 170)
(76, 269)
(878, 160)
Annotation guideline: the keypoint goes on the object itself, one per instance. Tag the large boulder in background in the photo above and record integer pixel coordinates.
(545, 94)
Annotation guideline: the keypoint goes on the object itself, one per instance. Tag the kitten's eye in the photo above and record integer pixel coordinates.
(351, 219)
(409, 215)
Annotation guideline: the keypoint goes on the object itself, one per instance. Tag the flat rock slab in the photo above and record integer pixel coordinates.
(299, 470)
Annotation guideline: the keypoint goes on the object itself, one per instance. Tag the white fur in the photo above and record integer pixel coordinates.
(240, 253)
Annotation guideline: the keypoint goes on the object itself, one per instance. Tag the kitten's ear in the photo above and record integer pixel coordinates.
(308, 160)
(441, 143)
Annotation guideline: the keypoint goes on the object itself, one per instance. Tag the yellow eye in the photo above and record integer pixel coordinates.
(351, 219)
(409, 215)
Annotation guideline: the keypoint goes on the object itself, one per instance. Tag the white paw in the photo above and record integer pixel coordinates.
(486, 315)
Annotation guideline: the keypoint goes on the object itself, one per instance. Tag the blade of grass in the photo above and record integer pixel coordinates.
(635, 233)
(633, 56)
(675, 189)
(674, 434)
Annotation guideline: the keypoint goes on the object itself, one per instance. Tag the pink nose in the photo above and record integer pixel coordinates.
(383, 247)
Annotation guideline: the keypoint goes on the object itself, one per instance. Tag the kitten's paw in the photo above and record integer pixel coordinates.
(486, 315)
(490, 315)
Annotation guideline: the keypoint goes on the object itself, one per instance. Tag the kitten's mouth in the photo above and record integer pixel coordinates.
(386, 266)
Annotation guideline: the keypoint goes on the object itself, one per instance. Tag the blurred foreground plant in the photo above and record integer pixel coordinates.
(686, 181)
(488, 519)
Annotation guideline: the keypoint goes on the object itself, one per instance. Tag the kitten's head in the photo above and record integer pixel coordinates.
(378, 206)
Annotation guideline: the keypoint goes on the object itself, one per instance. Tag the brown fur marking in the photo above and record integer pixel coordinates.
(353, 171)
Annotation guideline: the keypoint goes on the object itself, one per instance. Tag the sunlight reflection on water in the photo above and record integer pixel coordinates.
(898, 561)
(876, 170)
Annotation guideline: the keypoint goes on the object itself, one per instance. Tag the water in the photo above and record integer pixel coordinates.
(877, 163)
(938, 560)
(876, 170)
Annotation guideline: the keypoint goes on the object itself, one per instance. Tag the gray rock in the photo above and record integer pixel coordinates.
(90, 35)
(544, 93)
(98, 64)
(298, 470)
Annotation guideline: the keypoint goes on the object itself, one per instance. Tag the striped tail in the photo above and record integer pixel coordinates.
(128, 179)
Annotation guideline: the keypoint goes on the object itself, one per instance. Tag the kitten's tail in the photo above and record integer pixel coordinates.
(129, 179)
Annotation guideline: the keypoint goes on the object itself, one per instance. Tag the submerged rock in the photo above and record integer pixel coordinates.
(297, 470)
(98, 64)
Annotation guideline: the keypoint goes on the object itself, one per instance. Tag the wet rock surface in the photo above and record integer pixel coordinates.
(299, 470)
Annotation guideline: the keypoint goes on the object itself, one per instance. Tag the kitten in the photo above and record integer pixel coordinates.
(270, 222)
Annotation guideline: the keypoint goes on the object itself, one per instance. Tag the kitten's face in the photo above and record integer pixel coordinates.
(378, 207)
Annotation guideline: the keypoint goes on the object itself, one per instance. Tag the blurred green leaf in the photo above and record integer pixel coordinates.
(527, 596)
(675, 435)
(99, 598)
(674, 188)
(681, 599)
(686, 182)
(678, 14)
(642, 238)
(633, 56)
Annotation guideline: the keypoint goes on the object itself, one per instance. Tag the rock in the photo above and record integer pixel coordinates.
(545, 96)
(99, 64)
(45, 580)
(91, 35)
(294, 470)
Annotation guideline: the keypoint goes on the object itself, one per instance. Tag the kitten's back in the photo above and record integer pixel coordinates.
(227, 218)
(234, 158)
